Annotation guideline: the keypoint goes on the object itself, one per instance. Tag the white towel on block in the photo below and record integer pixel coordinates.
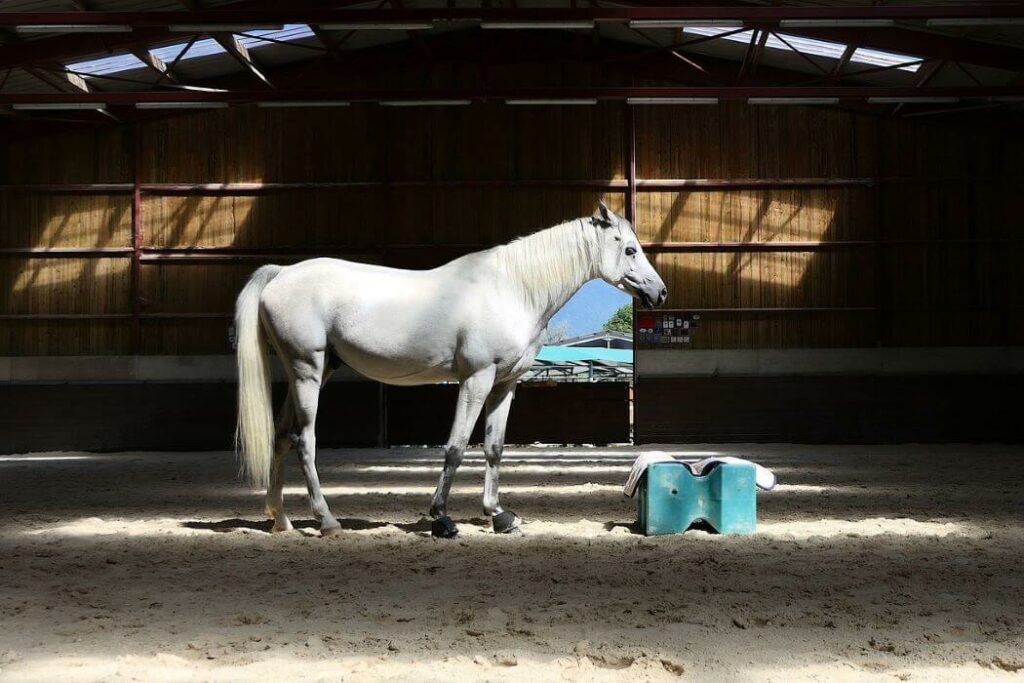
(764, 477)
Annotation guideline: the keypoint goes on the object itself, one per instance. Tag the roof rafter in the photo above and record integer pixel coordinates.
(613, 93)
(236, 49)
(58, 78)
(155, 64)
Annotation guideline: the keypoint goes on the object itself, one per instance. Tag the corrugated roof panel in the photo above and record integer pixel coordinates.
(288, 33)
(107, 65)
(201, 48)
(881, 58)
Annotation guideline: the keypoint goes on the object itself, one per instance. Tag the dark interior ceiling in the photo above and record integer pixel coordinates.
(99, 61)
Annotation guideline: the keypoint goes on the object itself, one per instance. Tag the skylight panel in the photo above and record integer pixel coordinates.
(809, 46)
(106, 65)
(201, 48)
(290, 32)
(741, 37)
(882, 58)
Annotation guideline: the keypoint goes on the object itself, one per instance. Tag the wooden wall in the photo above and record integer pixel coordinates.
(923, 255)
(942, 220)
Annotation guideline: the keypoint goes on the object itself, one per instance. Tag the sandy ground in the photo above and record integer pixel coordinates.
(870, 563)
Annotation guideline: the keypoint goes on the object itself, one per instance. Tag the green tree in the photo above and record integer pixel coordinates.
(621, 320)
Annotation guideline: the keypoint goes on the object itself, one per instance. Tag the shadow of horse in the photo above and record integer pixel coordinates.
(349, 524)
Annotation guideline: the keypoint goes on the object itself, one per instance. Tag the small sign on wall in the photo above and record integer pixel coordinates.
(665, 328)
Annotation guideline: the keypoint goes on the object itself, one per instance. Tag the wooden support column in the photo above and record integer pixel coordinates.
(882, 319)
(136, 274)
(631, 165)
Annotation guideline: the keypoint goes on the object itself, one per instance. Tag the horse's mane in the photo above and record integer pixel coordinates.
(544, 264)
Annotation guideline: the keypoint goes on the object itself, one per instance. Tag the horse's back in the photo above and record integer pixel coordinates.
(390, 324)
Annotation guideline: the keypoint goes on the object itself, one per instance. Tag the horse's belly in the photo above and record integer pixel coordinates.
(398, 368)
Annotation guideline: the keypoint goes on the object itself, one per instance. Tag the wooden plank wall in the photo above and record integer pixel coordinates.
(957, 182)
(65, 285)
(929, 249)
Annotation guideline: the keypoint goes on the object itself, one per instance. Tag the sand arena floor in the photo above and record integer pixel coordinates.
(870, 563)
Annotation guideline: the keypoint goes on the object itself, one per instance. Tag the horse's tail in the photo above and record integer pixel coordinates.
(254, 434)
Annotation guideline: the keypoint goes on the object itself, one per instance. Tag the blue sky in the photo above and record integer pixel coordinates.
(589, 308)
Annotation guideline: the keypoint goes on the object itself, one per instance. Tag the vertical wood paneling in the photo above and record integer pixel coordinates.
(965, 291)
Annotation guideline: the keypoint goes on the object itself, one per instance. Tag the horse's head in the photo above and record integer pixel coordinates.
(621, 260)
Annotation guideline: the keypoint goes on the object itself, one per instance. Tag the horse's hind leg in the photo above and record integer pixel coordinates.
(282, 445)
(306, 382)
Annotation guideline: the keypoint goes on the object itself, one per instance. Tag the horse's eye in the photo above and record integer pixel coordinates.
(630, 251)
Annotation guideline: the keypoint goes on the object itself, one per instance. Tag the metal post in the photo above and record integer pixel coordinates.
(136, 274)
(631, 215)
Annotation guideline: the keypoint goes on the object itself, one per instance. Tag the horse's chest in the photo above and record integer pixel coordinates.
(518, 362)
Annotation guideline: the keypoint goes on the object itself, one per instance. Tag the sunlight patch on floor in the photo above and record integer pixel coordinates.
(580, 529)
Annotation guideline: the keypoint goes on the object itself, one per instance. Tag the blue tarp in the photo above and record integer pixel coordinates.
(581, 354)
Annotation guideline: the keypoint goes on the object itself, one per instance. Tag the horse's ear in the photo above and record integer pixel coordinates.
(603, 216)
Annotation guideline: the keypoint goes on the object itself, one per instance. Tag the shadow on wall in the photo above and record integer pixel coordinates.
(409, 226)
(787, 277)
(403, 226)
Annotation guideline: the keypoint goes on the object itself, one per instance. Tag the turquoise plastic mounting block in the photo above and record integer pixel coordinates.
(670, 499)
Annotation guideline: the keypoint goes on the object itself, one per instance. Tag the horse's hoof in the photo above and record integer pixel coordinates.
(507, 522)
(444, 527)
(329, 531)
(281, 528)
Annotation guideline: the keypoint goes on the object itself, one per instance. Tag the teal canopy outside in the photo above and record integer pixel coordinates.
(582, 354)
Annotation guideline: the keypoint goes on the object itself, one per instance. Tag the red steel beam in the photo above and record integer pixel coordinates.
(852, 93)
(641, 185)
(183, 254)
(631, 165)
(204, 315)
(260, 188)
(55, 317)
(310, 13)
(655, 185)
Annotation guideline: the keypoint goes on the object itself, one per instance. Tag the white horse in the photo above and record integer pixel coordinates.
(479, 320)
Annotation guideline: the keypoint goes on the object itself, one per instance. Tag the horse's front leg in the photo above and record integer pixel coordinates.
(472, 393)
(497, 407)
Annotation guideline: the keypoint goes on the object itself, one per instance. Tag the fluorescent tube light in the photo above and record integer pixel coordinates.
(553, 102)
(913, 100)
(299, 103)
(793, 100)
(223, 28)
(73, 28)
(58, 106)
(836, 23)
(975, 21)
(683, 23)
(425, 103)
(671, 100)
(584, 24)
(380, 26)
(181, 105)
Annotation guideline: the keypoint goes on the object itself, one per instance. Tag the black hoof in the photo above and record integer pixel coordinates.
(506, 522)
(444, 527)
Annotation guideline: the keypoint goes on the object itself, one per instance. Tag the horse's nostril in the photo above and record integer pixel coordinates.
(664, 293)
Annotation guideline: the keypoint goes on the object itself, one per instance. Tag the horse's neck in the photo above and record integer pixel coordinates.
(549, 266)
